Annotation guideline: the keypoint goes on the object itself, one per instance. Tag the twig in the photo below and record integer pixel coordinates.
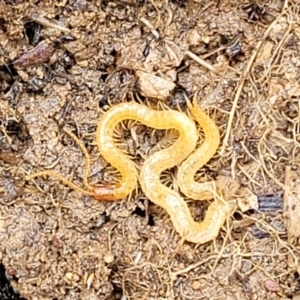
(243, 78)
(203, 62)
(148, 24)
(49, 23)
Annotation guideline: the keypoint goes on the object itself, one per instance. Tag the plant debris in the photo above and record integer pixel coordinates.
(63, 65)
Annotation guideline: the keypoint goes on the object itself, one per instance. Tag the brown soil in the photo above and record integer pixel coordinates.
(62, 63)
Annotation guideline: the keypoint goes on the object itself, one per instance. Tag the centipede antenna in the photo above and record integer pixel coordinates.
(86, 156)
(62, 179)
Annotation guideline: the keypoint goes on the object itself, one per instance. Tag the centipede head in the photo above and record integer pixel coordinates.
(105, 192)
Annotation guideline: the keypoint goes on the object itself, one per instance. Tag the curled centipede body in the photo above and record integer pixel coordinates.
(156, 163)
(171, 201)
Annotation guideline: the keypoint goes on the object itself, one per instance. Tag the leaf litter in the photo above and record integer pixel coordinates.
(244, 59)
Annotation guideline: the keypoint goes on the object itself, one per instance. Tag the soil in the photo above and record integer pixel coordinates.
(64, 63)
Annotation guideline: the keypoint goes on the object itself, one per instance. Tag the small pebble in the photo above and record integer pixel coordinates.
(196, 285)
(108, 258)
(272, 286)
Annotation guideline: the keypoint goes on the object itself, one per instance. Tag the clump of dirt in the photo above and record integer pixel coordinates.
(63, 64)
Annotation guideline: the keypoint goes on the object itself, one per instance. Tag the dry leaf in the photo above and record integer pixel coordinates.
(232, 189)
(291, 204)
(265, 52)
(153, 86)
(281, 87)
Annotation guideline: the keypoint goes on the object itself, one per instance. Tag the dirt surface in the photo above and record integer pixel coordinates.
(62, 65)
